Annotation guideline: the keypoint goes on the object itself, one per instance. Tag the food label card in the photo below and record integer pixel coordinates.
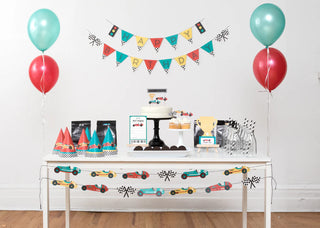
(137, 130)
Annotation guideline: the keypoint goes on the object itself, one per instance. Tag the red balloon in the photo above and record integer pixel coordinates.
(44, 73)
(278, 68)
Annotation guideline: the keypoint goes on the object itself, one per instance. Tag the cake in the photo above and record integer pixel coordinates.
(156, 111)
(174, 124)
(185, 123)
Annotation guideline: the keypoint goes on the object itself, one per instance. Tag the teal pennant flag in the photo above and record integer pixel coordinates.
(125, 36)
(120, 57)
(208, 47)
(173, 40)
(165, 63)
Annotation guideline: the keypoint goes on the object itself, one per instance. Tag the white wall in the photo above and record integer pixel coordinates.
(226, 82)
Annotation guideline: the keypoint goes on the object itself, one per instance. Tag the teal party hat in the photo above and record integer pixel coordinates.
(94, 149)
(88, 134)
(108, 142)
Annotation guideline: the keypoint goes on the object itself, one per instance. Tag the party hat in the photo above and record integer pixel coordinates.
(94, 149)
(83, 143)
(68, 149)
(109, 146)
(88, 134)
(59, 143)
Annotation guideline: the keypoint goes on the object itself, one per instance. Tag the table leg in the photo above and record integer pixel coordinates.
(244, 202)
(67, 178)
(267, 196)
(45, 197)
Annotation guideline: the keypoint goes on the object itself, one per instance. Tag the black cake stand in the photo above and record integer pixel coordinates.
(156, 141)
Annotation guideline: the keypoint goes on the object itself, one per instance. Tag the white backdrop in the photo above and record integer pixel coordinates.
(90, 88)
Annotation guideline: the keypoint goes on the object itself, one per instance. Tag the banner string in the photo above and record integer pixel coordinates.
(153, 37)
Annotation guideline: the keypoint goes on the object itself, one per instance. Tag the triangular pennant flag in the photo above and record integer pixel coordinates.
(165, 63)
(141, 41)
(208, 47)
(156, 42)
(59, 142)
(107, 50)
(173, 40)
(187, 34)
(108, 144)
(194, 55)
(135, 63)
(125, 36)
(120, 57)
(182, 60)
(150, 64)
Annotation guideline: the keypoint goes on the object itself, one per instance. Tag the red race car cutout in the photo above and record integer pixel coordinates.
(137, 125)
(186, 114)
(95, 188)
(162, 98)
(143, 175)
(219, 187)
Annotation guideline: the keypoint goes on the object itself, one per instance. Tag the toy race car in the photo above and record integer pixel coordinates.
(195, 173)
(154, 102)
(103, 173)
(67, 169)
(218, 187)
(186, 114)
(242, 169)
(189, 190)
(65, 183)
(151, 191)
(137, 125)
(95, 188)
(162, 98)
(143, 175)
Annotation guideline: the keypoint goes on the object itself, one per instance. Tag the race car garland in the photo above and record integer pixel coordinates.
(156, 42)
(165, 63)
(128, 191)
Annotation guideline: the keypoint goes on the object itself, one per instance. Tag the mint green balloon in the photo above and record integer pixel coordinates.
(267, 23)
(43, 28)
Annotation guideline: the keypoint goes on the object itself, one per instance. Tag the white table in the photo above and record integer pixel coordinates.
(197, 160)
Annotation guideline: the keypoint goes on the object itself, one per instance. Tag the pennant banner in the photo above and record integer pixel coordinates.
(156, 42)
(165, 63)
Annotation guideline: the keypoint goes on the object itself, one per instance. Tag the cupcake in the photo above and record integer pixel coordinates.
(174, 124)
(185, 123)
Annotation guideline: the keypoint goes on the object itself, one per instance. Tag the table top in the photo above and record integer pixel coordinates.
(193, 157)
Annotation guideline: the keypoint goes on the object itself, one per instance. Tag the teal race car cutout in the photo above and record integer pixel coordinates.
(151, 191)
(67, 169)
(195, 173)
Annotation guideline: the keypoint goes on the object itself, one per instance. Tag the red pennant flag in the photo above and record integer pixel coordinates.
(107, 50)
(194, 55)
(150, 64)
(156, 43)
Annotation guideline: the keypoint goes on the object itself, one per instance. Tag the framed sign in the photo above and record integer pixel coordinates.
(207, 140)
(137, 129)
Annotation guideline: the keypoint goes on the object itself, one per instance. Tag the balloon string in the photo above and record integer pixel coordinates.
(43, 106)
(267, 80)
(267, 83)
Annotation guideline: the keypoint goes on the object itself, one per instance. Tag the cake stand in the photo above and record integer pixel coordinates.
(180, 139)
(156, 141)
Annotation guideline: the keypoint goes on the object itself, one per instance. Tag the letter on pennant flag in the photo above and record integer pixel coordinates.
(173, 40)
(156, 42)
(141, 41)
(208, 47)
(120, 57)
(165, 63)
(150, 64)
(194, 55)
(107, 50)
(182, 60)
(187, 34)
(125, 36)
(135, 63)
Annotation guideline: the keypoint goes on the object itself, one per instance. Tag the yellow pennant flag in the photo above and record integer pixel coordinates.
(187, 34)
(135, 62)
(141, 41)
(182, 60)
